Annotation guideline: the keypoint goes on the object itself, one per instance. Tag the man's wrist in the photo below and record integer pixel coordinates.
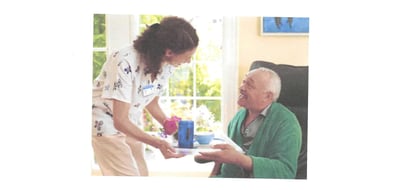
(246, 162)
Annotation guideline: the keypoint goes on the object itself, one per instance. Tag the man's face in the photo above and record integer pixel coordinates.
(253, 91)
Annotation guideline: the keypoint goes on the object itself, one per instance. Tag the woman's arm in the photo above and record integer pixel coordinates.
(123, 124)
(155, 110)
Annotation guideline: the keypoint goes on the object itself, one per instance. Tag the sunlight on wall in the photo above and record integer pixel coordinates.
(292, 50)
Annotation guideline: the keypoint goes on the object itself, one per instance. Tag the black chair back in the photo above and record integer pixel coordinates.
(294, 95)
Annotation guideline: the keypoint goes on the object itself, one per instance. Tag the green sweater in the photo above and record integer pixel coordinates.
(275, 148)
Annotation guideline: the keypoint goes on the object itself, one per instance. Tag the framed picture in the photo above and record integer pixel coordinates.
(284, 25)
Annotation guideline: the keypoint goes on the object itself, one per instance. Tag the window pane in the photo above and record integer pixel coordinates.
(182, 108)
(181, 82)
(210, 33)
(213, 105)
(208, 114)
(208, 79)
(98, 60)
(99, 30)
(208, 57)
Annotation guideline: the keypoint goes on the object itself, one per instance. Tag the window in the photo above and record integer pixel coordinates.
(99, 43)
(194, 86)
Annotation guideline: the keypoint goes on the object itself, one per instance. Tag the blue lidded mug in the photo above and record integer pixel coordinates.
(185, 134)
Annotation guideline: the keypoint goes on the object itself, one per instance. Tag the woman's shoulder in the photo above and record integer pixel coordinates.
(128, 54)
(127, 50)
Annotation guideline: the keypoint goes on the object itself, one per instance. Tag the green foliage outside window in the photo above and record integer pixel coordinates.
(147, 20)
(99, 41)
(214, 106)
(99, 30)
(206, 85)
(181, 82)
(98, 60)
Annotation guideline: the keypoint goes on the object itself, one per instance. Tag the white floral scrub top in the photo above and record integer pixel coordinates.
(122, 78)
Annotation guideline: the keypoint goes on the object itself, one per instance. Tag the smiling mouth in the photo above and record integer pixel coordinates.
(242, 96)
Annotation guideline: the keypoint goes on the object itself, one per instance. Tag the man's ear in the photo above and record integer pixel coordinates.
(168, 53)
(268, 95)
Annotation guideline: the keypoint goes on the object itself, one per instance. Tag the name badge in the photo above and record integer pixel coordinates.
(148, 90)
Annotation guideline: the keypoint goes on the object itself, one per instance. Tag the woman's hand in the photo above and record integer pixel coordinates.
(168, 151)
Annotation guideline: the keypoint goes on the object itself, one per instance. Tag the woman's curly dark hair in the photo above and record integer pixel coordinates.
(172, 33)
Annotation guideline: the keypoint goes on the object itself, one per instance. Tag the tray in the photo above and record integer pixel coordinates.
(218, 139)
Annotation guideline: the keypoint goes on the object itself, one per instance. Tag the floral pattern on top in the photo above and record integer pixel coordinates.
(118, 81)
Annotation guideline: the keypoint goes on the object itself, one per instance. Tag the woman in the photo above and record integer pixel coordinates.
(131, 80)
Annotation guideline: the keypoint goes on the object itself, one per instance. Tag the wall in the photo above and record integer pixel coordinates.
(292, 50)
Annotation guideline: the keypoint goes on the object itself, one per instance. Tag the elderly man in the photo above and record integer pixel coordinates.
(267, 131)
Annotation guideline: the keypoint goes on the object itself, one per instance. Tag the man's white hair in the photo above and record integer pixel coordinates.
(274, 85)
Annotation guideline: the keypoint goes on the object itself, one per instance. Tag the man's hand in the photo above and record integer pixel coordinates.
(226, 154)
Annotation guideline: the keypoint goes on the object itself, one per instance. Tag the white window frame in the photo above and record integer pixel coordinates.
(230, 65)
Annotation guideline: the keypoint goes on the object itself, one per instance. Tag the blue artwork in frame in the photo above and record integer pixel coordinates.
(284, 25)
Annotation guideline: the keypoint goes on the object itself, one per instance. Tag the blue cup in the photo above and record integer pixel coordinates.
(204, 138)
(185, 134)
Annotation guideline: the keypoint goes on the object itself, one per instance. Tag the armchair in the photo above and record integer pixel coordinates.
(294, 95)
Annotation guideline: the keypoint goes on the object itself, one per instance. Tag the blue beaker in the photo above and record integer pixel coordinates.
(185, 134)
